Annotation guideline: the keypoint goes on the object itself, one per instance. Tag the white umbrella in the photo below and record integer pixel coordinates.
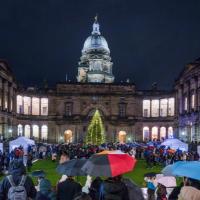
(167, 181)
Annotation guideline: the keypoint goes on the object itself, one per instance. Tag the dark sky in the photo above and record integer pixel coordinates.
(150, 40)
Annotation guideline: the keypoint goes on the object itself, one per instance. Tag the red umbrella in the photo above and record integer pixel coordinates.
(109, 164)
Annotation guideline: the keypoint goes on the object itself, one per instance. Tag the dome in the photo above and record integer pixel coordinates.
(95, 42)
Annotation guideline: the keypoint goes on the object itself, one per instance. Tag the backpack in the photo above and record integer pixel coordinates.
(17, 192)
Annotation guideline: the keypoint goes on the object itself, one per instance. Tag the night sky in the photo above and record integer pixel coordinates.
(150, 40)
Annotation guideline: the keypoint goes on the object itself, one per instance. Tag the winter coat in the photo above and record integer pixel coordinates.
(189, 193)
(114, 190)
(134, 192)
(17, 169)
(45, 192)
(68, 189)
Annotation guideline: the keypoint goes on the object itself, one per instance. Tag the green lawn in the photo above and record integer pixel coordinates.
(137, 175)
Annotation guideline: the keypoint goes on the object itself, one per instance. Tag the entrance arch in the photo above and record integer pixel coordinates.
(122, 136)
(68, 136)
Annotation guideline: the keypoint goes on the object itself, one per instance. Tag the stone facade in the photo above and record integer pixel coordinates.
(62, 113)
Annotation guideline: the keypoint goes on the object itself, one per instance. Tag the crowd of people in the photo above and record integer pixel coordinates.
(18, 185)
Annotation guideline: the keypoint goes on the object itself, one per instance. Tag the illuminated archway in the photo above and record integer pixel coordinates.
(68, 136)
(154, 133)
(122, 136)
(145, 133)
(163, 133)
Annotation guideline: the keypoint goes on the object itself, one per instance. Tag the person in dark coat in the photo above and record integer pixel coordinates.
(68, 189)
(114, 189)
(94, 188)
(17, 170)
(45, 191)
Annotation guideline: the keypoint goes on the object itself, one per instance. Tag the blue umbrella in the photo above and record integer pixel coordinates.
(189, 169)
(169, 169)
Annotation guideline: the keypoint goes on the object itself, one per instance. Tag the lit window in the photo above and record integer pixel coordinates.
(154, 133)
(185, 104)
(6, 101)
(27, 105)
(155, 108)
(19, 130)
(44, 132)
(163, 107)
(192, 101)
(19, 104)
(163, 133)
(145, 133)
(27, 131)
(35, 106)
(44, 106)
(68, 109)
(146, 108)
(35, 131)
(170, 132)
(171, 106)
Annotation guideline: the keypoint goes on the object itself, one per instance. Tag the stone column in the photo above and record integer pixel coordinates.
(181, 106)
(196, 93)
(150, 108)
(189, 97)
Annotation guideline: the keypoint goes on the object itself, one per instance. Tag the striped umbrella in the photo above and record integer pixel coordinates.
(109, 164)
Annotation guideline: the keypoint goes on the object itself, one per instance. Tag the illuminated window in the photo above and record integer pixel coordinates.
(6, 101)
(19, 130)
(163, 133)
(35, 106)
(44, 132)
(170, 132)
(68, 109)
(19, 104)
(154, 133)
(185, 104)
(171, 106)
(155, 108)
(27, 105)
(11, 104)
(27, 131)
(44, 106)
(163, 107)
(146, 108)
(35, 131)
(145, 133)
(192, 101)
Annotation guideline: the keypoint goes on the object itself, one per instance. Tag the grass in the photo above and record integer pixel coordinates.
(137, 175)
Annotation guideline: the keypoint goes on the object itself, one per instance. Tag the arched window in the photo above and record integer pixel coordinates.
(36, 131)
(27, 105)
(27, 131)
(68, 136)
(163, 133)
(122, 136)
(44, 132)
(19, 104)
(35, 106)
(44, 106)
(154, 133)
(170, 132)
(19, 130)
(145, 133)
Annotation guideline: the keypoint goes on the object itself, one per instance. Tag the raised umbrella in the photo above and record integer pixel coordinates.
(72, 167)
(167, 181)
(109, 164)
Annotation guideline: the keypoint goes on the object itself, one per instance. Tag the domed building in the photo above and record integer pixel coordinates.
(95, 64)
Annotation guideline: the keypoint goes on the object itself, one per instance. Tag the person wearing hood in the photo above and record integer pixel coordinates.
(45, 191)
(17, 171)
(114, 189)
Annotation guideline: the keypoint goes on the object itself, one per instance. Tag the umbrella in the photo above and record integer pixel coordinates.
(38, 173)
(168, 170)
(72, 167)
(167, 181)
(190, 169)
(150, 174)
(109, 164)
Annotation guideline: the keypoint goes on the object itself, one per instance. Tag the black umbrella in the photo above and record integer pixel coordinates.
(38, 173)
(150, 174)
(72, 167)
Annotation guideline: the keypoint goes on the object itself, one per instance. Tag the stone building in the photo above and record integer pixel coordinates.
(62, 113)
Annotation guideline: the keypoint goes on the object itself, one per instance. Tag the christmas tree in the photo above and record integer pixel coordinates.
(95, 132)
